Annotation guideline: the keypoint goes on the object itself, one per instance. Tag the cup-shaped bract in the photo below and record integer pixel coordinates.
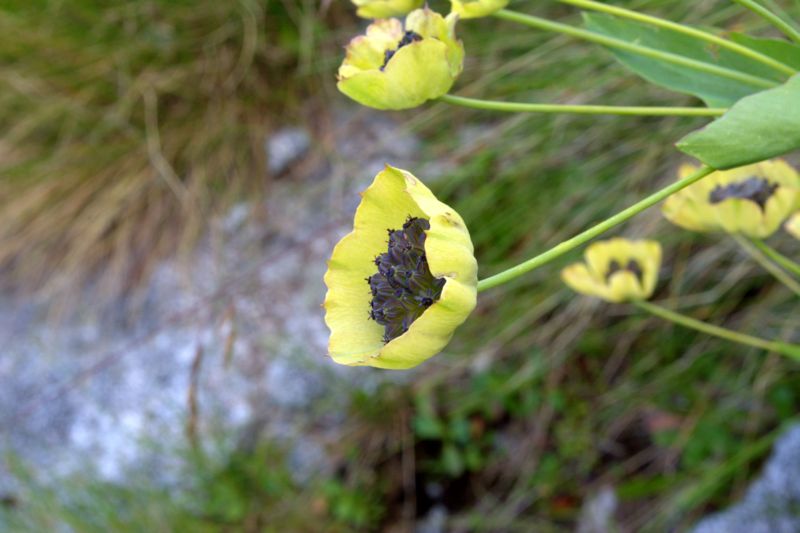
(396, 66)
(753, 200)
(793, 225)
(396, 307)
(616, 270)
(469, 9)
(381, 9)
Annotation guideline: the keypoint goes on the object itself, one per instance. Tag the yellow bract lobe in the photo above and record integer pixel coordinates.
(616, 270)
(752, 200)
(395, 196)
(394, 66)
(477, 8)
(793, 225)
(381, 9)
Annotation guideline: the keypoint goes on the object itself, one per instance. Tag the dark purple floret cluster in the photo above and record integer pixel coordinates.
(756, 190)
(408, 38)
(403, 288)
(631, 266)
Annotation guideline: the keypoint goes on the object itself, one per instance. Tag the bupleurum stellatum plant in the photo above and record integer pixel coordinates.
(405, 278)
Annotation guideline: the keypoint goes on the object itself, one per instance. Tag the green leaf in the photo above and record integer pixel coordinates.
(784, 51)
(714, 90)
(756, 128)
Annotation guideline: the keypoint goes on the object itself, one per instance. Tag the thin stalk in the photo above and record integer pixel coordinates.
(519, 107)
(772, 18)
(564, 247)
(686, 30)
(767, 265)
(784, 348)
(675, 59)
(777, 257)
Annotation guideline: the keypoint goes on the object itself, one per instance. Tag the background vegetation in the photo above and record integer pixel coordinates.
(123, 127)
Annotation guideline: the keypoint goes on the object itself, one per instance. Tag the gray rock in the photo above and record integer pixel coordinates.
(231, 336)
(772, 502)
(285, 147)
(597, 514)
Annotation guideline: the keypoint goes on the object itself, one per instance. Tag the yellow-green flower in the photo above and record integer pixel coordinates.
(393, 304)
(752, 200)
(793, 225)
(397, 67)
(616, 270)
(381, 9)
(470, 9)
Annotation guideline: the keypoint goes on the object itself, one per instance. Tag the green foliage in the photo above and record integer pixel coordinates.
(756, 128)
(714, 90)
(784, 51)
(357, 508)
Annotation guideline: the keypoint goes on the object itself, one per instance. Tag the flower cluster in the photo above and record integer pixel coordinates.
(752, 200)
(405, 278)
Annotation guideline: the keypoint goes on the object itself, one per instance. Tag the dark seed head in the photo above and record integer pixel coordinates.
(631, 266)
(757, 190)
(408, 38)
(403, 287)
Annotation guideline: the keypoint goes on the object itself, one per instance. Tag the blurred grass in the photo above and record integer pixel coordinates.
(125, 126)
(517, 428)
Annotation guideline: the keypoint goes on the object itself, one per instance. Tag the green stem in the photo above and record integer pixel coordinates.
(771, 17)
(518, 107)
(544, 24)
(777, 257)
(686, 30)
(784, 348)
(767, 265)
(564, 247)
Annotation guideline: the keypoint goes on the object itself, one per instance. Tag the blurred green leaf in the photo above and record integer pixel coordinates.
(758, 127)
(714, 90)
(784, 51)
(428, 428)
(452, 462)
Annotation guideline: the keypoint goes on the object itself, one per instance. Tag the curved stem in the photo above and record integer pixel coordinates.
(564, 247)
(767, 265)
(686, 30)
(790, 350)
(777, 257)
(519, 107)
(668, 57)
(771, 17)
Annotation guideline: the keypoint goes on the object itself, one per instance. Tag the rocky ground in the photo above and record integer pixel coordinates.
(232, 342)
(232, 339)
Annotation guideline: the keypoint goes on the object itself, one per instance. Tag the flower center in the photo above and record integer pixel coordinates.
(403, 288)
(756, 190)
(408, 38)
(631, 266)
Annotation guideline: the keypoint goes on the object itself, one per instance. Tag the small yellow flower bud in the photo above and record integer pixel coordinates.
(470, 9)
(381, 9)
(400, 67)
(616, 270)
(752, 200)
(393, 303)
